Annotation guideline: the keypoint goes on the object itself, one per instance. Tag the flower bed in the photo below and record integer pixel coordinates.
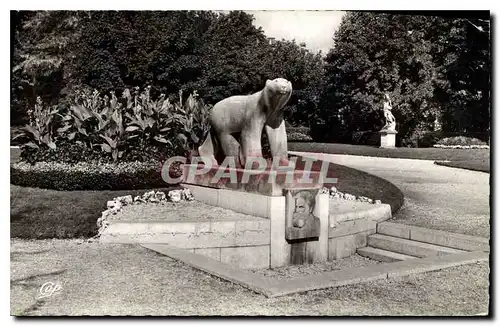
(90, 176)
(462, 146)
(298, 136)
(461, 142)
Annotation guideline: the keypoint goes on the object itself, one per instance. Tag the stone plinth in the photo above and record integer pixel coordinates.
(388, 138)
(269, 182)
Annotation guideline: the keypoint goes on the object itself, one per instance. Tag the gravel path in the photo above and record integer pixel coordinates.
(436, 197)
(110, 279)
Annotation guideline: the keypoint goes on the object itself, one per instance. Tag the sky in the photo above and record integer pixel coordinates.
(315, 28)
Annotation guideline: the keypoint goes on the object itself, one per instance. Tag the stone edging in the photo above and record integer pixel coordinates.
(335, 193)
(115, 205)
(432, 236)
(271, 287)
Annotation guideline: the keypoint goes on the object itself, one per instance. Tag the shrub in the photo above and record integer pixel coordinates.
(40, 130)
(460, 141)
(432, 138)
(73, 152)
(371, 138)
(298, 134)
(16, 136)
(329, 133)
(90, 176)
(133, 128)
(429, 139)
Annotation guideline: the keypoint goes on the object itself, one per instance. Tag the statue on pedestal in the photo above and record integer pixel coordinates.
(390, 121)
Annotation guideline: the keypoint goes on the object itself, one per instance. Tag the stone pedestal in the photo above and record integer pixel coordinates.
(289, 198)
(267, 182)
(388, 138)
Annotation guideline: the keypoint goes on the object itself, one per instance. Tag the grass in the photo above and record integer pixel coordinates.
(360, 183)
(42, 213)
(111, 279)
(439, 154)
(474, 165)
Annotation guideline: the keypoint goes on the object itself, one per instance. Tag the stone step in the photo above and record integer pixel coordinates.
(409, 247)
(382, 255)
(436, 237)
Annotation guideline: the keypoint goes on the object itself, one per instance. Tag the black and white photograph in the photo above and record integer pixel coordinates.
(269, 163)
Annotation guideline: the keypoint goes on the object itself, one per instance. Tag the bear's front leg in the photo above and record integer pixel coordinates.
(251, 144)
(278, 143)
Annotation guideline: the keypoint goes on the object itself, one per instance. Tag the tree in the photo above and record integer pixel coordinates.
(218, 55)
(468, 70)
(42, 52)
(137, 48)
(305, 70)
(408, 56)
(233, 56)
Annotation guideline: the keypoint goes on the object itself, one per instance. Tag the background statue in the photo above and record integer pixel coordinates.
(390, 121)
(247, 115)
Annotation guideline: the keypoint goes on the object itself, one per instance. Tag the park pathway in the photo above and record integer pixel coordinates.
(436, 197)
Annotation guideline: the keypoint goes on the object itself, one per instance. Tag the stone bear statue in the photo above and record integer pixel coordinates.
(248, 115)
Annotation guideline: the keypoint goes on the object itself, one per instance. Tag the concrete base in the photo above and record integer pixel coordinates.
(242, 243)
(387, 138)
(272, 287)
(436, 237)
(350, 225)
(257, 240)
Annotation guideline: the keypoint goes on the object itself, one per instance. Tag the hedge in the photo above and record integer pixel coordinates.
(90, 176)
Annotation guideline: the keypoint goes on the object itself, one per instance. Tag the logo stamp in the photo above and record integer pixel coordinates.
(48, 289)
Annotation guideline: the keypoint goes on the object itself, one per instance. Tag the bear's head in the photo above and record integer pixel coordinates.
(274, 97)
(279, 86)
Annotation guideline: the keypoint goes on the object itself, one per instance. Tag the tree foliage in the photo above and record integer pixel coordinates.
(216, 54)
(423, 62)
(41, 55)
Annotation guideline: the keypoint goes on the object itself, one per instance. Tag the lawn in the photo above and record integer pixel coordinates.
(436, 154)
(42, 213)
(474, 165)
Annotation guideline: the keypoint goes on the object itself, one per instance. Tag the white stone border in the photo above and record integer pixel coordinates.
(335, 193)
(115, 205)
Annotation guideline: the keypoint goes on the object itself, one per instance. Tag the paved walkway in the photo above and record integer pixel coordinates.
(436, 197)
